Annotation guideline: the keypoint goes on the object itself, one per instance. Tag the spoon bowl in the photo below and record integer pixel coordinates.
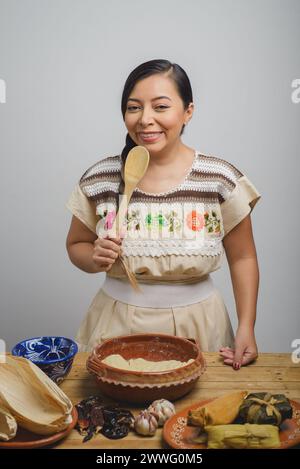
(136, 165)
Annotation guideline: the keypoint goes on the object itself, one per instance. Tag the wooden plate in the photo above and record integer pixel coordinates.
(25, 439)
(178, 435)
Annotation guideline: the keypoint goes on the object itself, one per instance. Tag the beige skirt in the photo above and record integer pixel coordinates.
(207, 322)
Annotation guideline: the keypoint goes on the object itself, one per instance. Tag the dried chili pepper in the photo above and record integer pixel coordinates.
(93, 417)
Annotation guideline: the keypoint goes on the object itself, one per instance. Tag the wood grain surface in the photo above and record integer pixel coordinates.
(273, 372)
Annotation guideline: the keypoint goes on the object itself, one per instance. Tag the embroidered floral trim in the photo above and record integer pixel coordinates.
(149, 221)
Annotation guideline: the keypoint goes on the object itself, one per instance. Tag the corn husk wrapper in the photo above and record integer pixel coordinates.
(247, 436)
(8, 425)
(32, 398)
(220, 411)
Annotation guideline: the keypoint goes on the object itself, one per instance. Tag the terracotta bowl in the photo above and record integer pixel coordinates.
(142, 387)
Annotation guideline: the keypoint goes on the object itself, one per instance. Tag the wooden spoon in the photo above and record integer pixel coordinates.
(136, 165)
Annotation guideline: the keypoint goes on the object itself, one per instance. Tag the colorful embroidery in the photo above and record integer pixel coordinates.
(133, 220)
(110, 220)
(174, 221)
(146, 221)
(169, 220)
(155, 221)
(106, 220)
(195, 220)
(212, 222)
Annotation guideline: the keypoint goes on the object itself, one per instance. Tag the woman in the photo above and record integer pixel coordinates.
(185, 211)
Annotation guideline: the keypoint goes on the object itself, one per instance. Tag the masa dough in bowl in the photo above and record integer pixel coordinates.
(140, 364)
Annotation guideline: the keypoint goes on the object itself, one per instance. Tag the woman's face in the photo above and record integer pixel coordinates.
(155, 114)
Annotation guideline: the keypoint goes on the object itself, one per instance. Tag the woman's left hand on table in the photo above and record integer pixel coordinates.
(245, 350)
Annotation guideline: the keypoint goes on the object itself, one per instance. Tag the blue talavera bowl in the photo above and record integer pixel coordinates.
(53, 354)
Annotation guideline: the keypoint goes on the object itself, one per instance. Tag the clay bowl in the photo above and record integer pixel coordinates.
(143, 387)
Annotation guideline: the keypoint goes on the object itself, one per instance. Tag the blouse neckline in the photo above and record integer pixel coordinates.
(174, 189)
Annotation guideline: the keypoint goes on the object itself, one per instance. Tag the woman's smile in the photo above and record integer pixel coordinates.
(150, 137)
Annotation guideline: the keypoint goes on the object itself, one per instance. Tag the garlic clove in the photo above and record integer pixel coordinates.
(145, 423)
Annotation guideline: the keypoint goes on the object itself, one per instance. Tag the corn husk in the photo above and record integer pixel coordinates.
(220, 411)
(8, 425)
(247, 436)
(32, 398)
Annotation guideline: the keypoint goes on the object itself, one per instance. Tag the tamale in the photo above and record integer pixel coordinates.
(8, 425)
(265, 408)
(220, 411)
(247, 436)
(32, 398)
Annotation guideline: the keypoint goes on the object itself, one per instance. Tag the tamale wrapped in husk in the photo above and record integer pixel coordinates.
(265, 408)
(32, 398)
(242, 436)
(220, 411)
(8, 425)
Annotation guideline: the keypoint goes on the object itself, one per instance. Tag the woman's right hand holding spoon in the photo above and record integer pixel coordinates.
(106, 252)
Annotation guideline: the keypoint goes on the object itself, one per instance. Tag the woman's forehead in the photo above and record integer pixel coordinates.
(153, 87)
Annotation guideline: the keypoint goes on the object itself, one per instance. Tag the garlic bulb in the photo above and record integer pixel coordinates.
(162, 410)
(145, 423)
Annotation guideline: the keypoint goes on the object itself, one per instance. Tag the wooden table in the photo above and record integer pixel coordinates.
(273, 372)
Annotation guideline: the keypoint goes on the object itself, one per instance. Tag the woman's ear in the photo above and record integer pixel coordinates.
(189, 113)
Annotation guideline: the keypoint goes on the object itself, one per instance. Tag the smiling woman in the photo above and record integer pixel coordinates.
(186, 209)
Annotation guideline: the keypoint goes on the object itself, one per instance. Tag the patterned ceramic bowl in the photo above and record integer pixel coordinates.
(141, 387)
(54, 355)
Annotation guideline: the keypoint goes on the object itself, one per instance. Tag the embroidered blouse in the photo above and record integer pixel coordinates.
(174, 235)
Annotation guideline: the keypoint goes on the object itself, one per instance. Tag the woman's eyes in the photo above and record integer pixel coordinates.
(133, 108)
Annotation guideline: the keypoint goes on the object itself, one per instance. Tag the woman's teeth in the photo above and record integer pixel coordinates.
(151, 138)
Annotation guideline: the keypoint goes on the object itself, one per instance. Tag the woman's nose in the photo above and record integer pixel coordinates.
(146, 117)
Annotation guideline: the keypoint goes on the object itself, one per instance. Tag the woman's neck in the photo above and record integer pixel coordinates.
(169, 158)
(163, 175)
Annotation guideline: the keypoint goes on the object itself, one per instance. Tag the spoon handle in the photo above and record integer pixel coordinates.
(121, 215)
(116, 232)
(130, 275)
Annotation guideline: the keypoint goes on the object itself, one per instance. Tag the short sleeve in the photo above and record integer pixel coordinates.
(239, 203)
(83, 208)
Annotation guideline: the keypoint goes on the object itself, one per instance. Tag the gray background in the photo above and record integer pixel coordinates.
(65, 63)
